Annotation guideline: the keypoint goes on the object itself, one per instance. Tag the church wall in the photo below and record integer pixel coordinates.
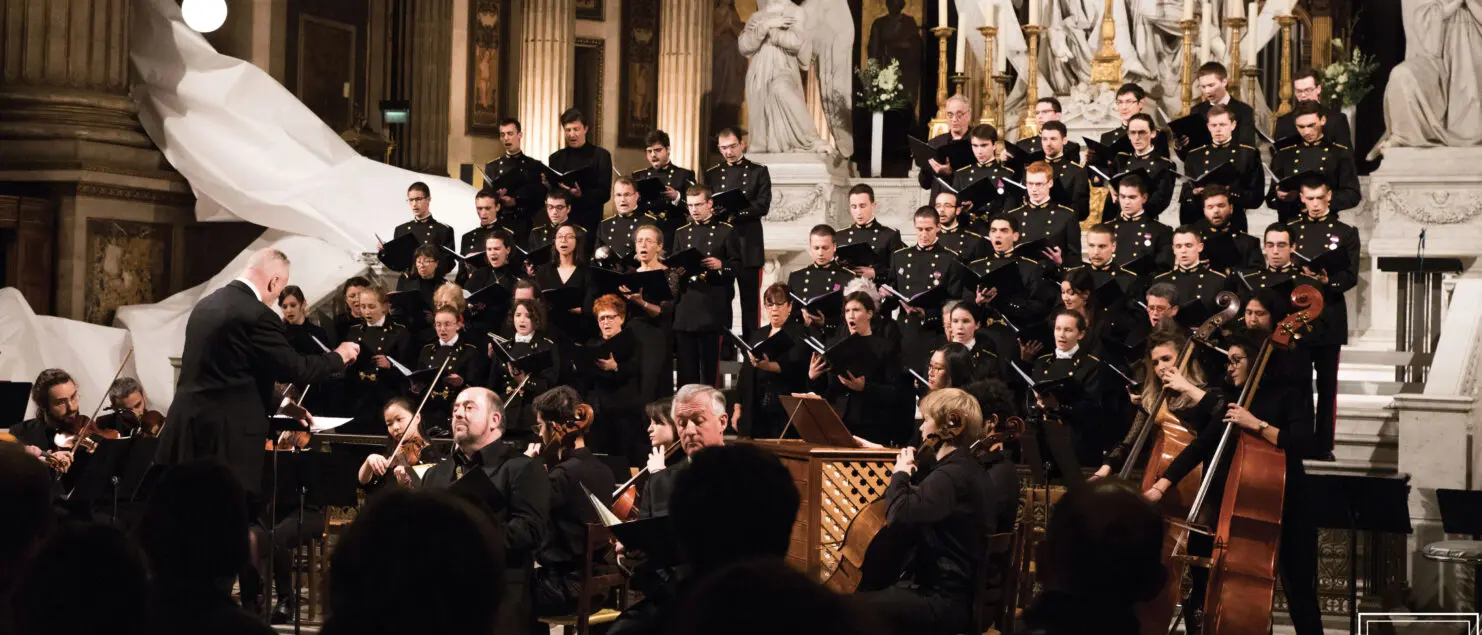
(255, 31)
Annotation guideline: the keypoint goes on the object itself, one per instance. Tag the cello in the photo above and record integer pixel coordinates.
(1242, 577)
(1169, 437)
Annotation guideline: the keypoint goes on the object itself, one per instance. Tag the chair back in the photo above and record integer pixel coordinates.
(597, 580)
(996, 588)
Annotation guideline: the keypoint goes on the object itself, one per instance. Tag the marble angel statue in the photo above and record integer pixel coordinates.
(1433, 96)
(831, 29)
(1073, 37)
(777, 40)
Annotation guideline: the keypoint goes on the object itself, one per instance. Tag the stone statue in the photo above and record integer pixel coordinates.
(1433, 96)
(831, 29)
(897, 36)
(776, 40)
(1072, 37)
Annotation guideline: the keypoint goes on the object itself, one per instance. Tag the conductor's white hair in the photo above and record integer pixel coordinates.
(689, 392)
(263, 258)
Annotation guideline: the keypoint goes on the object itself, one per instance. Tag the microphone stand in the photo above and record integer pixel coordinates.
(297, 609)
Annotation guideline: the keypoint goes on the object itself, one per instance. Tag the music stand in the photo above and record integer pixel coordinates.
(1461, 513)
(1353, 503)
(98, 474)
(816, 421)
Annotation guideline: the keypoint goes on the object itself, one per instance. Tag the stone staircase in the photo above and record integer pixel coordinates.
(1367, 438)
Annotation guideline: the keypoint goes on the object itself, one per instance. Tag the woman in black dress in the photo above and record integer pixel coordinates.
(651, 319)
(566, 277)
(610, 368)
(309, 338)
(483, 318)
(518, 388)
(861, 398)
(764, 380)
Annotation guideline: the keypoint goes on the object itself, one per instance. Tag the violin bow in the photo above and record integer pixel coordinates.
(406, 434)
(128, 356)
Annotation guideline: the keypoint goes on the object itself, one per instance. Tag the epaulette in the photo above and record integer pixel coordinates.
(429, 346)
(1126, 153)
(950, 251)
(686, 225)
(357, 326)
(1193, 150)
(969, 232)
(1218, 272)
(716, 166)
(900, 250)
(548, 340)
(1245, 146)
(1069, 269)
(1093, 357)
(1165, 273)
(465, 345)
(1338, 145)
(1016, 209)
(1028, 260)
(1044, 356)
(728, 225)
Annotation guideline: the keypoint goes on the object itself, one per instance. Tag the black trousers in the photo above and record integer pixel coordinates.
(697, 357)
(1296, 559)
(288, 535)
(909, 609)
(749, 285)
(1325, 367)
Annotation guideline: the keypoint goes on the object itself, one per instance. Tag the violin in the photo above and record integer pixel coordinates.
(81, 432)
(625, 497)
(56, 464)
(290, 407)
(408, 451)
(1242, 576)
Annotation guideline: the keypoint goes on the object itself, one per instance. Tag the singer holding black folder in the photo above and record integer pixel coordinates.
(772, 370)
(522, 367)
(1328, 250)
(711, 251)
(860, 375)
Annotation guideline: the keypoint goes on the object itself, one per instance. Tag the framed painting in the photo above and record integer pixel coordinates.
(593, 9)
(488, 35)
(638, 111)
(587, 82)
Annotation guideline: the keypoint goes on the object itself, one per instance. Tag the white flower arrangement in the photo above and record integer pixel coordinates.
(1348, 79)
(880, 88)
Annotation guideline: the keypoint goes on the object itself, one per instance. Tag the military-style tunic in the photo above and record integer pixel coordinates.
(813, 281)
(883, 240)
(616, 231)
(968, 245)
(1313, 237)
(430, 232)
(915, 270)
(1083, 410)
(1074, 185)
(1071, 152)
(755, 181)
(1197, 282)
(1053, 222)
(1160, 187)
(1159, 145)
(1033, 303)
(671, 214)
(1330, 159)
(1248, 254)
(981, 211)
(1141, 236)
(474, 241)
(464, 360)
(529, 196)
(704, 302)
(376, 385)
(1245, 193)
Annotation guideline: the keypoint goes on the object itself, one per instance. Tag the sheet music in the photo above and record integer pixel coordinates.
(323, 424)
(321, 345)
(397, 365)
(603, 513)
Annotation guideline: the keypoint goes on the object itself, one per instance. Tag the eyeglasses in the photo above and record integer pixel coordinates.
(776, 305)
(1232, 361)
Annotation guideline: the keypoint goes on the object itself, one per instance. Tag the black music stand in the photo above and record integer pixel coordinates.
(1418, 310)
(1461, 513)
(97, 475)
(1358, 503)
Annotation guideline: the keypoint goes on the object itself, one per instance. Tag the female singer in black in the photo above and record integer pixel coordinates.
(569, 325)
(764, 380)
(610, 369)
(480, 317)
(860, 400)
(1275, 416)
(991, 349)
(517, 388)
(651, 321)
(309, 338)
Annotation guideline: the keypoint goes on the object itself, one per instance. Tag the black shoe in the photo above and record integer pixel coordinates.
(282, 612)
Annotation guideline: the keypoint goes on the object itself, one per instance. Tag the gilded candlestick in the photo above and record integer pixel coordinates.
(988, 102)
(1106, 66)
(938, 124)
(1027, 126)
(1002, 80)
(1286, 22)
(1186, 84)
(1236, 26)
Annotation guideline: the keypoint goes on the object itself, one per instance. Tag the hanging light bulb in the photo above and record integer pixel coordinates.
(204, 16)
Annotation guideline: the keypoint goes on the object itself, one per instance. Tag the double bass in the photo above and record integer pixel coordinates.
(1169, 437)
(1242, 577)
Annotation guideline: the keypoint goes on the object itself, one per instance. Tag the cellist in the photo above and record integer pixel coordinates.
(1188, 402)
(1275, 416)
(949, 508)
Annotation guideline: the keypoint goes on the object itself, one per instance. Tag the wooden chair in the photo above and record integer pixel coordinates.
(996, 590)
(595, 581)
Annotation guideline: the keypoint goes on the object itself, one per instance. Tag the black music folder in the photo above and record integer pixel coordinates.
(399, 254)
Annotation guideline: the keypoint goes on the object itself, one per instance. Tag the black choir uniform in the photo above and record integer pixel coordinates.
(1241, 112)
(927, 178)
(1280, 405)
(1071, 152)
(307, 338)
(948, 511)
(1248, 254)
(1335, 126)
(883, 241)
(430, 232)
(915, 270)
(523, 514)
(703, 308)
(563, 555)
(981, 211)
(672, 214)
(1141, 236)
(545, 234)
(1161, 176)
(1054, 223)
(481, 319)
(862, 411)
(967, 244)
(1245, 194)
(529, 194)
(595, 183)
(1311, 238)
(1033, 303)
(420, 326)
(1123, 318)
(1073, 184)
(1332, 160)
(1199, 282)
(755, 181)
(762, 415)
(655, 335)
(372, 386)
(569, 329)
(618, 426)
(616, 231)
(474, 241)
(464, 360)
(1112, 137)
(1084, 412)
(519, 409)
(813, 281)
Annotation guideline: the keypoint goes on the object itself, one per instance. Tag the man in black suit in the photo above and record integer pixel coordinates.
(593, 188)
(703, 308)
(235, 348)
(522, 201)
(1307, 86)
(426, 229)
(1214, 83)
(1314, 235)
(1074, 186)
(959, 120)
(1048, 109)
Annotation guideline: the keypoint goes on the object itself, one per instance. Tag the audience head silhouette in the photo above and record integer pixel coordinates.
(416, 561)
(25, 495)
(188, 542)
(1104, 540)
(113, 571)
(719, 518)
(726, 602)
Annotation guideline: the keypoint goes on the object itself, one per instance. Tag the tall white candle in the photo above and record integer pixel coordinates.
(1250, 33)
(941, 12)
(1233, 9)
(959, 63)
(1000, 57)
(1034, 12)
(1205, 31)
(1188, 9)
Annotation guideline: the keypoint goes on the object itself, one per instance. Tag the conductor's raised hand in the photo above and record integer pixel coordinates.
(348, 352)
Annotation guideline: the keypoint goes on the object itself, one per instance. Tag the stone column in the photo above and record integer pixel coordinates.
(547, 60)
(89, 180)
(427, 67)
(684, 78)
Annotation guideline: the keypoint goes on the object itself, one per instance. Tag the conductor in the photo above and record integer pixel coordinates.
(235, 348)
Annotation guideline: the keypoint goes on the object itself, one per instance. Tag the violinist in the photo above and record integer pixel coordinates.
(518, 388)
(1275, 416)
(948, 504)
(563, 421)
(765, 380)
(55, 396)
(699, 412)
(663, 435)
(292, 527)
(416, 451)
(130, 410)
